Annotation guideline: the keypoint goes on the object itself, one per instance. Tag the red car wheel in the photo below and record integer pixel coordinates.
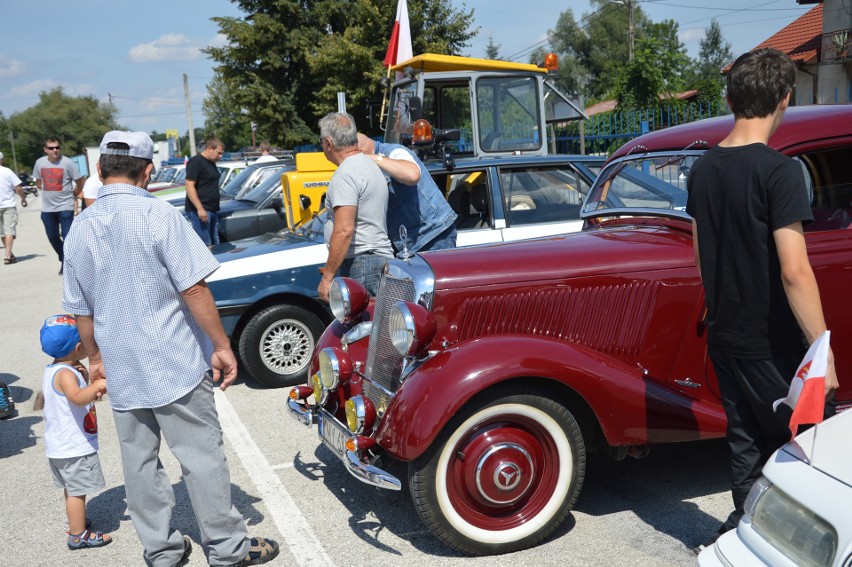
(502, 476)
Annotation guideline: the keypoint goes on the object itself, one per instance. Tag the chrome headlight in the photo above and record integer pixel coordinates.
(335, 367)
(347, 299)
(411, 328)
(360, 414)
(790, 526)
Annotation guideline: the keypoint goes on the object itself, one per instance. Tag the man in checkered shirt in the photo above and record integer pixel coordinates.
(134, 277)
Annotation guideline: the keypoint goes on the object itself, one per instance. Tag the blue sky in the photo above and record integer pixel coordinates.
(138, 52)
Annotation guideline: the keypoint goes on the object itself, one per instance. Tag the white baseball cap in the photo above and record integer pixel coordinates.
(139, 144)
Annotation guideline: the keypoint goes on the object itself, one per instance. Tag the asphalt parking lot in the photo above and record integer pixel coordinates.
(648, 512)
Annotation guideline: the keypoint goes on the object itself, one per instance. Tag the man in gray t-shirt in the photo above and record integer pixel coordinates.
(356, 233)
(61, 184)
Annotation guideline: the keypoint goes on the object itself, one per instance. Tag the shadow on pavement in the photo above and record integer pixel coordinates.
(659, 488)
(109, 508)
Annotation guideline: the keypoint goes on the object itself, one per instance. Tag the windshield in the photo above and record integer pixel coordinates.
(262, 191)
(180, 177)
(507, 111)
(642, 184)
(168, 175)
(233, 186)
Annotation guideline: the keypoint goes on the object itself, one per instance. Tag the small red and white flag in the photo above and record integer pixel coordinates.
(399, 48)
(807, 390)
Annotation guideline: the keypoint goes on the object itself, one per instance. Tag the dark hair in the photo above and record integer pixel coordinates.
(758, 81)
(50, 139)
(264, 146)
(122, 166)
(213, 142)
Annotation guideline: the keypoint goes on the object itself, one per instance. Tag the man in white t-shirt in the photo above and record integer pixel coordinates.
(9, 185)
(264, 153)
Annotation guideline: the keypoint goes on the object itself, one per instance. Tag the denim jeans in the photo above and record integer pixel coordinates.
(56, 226)
(444, 241)
(208, 231)
(365, 268)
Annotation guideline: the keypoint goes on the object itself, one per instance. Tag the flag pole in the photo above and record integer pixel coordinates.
(384, 101)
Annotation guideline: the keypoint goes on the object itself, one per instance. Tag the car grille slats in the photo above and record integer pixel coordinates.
(384, 363)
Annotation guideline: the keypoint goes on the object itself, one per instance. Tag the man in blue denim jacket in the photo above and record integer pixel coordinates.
(415, 201)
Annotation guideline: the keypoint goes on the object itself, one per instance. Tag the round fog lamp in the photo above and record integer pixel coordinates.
(317, 387)
(335, 367)
(360, 414)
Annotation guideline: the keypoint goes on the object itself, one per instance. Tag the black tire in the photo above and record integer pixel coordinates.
(277, 343)
(502, 475)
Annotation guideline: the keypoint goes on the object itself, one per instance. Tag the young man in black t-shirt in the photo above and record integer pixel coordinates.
(202, 191)
(748, 203)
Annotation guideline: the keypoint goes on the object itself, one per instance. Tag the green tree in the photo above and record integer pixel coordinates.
(714, 55)
(285, 60)
(492, 49)
(658, 69)
(223, 115)
(593, 49)
(76, 121)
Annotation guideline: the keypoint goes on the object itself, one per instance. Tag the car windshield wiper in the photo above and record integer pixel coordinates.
(679, 157)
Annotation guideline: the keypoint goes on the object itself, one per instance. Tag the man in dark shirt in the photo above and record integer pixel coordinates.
(202, 191)
(748, 203)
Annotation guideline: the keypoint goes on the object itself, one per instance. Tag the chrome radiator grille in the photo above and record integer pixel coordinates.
(384, 363)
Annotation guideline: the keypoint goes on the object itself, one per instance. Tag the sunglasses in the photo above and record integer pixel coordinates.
(53, 147)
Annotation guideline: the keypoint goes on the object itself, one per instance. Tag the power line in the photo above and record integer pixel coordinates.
(147, 99)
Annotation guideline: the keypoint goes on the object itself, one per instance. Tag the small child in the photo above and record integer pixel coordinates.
(71, 426)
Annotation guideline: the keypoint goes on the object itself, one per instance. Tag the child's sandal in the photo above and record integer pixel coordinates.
(88, 539)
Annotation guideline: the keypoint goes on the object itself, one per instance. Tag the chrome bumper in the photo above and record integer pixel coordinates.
(368, 473)
(299, 413)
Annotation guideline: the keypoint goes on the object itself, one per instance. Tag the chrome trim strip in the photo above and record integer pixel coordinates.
(299, 413)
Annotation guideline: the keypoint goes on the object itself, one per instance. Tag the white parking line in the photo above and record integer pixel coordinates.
(298, 535)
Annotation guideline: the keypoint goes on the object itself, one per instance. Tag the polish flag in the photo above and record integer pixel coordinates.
(807, 390)
(399, 48)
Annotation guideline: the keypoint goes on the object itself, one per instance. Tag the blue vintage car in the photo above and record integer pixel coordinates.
(266, 287)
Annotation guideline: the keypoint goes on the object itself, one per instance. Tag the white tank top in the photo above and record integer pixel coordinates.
(69, 430)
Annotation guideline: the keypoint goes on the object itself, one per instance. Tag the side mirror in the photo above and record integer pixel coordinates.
(415, 109)
(278, 204)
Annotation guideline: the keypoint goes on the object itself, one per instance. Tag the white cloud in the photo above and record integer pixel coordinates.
(221, 40)
(691, 35)
(10, 67)
(33, 88)
(169, 47)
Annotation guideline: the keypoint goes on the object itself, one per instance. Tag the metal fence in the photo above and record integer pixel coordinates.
(604, 133)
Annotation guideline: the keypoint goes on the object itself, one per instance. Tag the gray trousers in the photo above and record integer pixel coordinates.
(191, 429)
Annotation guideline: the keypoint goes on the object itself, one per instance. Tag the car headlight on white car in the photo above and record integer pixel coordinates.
(789, 526)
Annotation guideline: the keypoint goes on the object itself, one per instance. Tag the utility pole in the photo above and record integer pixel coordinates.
(189, 116)
(630, 31)
(14, 158)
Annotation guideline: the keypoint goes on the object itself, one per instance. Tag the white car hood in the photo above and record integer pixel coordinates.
(826, 447)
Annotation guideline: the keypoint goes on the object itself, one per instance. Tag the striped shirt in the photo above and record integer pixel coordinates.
(128, 257)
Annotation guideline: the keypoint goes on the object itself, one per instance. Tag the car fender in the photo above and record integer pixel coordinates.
(631, 408)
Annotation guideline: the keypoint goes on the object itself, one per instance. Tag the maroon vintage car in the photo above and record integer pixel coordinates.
(490, 372)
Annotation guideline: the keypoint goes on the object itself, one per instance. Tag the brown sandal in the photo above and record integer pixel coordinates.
(10, 260)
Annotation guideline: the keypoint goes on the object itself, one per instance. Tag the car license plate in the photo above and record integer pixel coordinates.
(333, 433)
